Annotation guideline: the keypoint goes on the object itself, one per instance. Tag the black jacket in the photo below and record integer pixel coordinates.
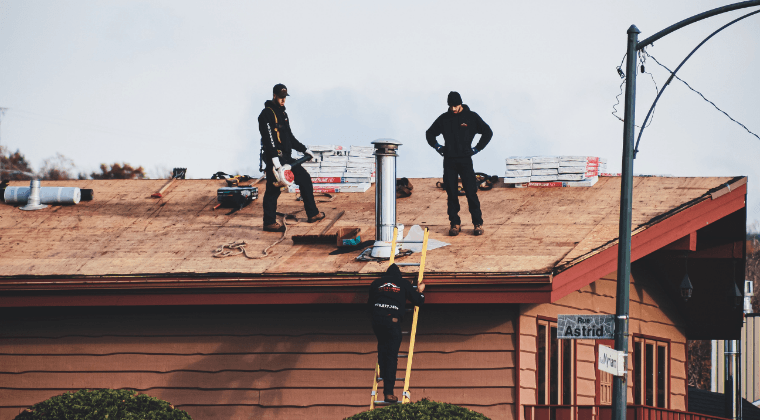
(458, 132)
(276, 138)
(388, 294)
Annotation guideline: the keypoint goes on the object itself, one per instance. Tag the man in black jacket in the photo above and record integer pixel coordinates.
(387, 301)
(277, 142)
(459, 126)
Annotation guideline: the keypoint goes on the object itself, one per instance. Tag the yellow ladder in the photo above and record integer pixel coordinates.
(406, 396)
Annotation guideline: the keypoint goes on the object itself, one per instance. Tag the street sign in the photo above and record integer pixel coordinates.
(611, 361)
(594, 327)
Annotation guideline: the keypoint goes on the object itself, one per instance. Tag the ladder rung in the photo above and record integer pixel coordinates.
(398, 379)
(408, 264)
(404, 332)
(403, 355)
(386, 403)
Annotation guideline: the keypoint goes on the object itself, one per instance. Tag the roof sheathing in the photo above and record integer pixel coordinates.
(125, 234)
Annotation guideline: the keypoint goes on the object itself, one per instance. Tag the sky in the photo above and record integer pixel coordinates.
(166, 84)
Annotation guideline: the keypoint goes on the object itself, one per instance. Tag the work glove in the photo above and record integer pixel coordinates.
(475, 151)
(310, 153)
(276, 163)
(439, 149)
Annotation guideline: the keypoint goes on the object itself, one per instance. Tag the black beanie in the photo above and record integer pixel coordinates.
(454, 99)
(393, 270)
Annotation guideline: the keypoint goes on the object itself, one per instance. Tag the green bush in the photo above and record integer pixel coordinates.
(110, 404)
(421, 410)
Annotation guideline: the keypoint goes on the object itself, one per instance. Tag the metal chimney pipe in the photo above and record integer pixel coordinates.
(34, 197)
(731, 390)
(385, 195)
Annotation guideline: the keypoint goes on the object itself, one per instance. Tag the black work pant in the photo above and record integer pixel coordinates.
(454, 168)
(388, 335)
(303, 180)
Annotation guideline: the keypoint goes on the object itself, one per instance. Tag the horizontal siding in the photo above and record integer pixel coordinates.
(266, 362)
(251, 362)
(651, 313)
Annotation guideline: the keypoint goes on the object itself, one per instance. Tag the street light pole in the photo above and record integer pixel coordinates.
(619, 388)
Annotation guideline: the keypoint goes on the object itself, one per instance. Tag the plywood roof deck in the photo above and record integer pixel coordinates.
(124, 233)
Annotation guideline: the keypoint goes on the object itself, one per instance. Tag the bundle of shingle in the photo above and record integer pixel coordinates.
(335, 169)
(554, 171)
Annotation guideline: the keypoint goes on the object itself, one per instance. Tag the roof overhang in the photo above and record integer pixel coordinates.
(350, 288)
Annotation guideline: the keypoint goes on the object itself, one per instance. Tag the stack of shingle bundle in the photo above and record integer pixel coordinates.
(519, 170)
(361, 164)
(335, 169)
(553, 171)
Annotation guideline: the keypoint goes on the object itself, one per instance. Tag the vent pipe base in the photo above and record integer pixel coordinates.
(34, 197)
(382, 249)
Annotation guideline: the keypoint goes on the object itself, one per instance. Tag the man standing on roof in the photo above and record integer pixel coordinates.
(277, 142)
(459, 126)
(387, 301)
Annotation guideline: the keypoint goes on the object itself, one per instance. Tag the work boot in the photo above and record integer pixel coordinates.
(318, 217)
(391, 398)
(478, 230)
(274, 227)
(454, 231)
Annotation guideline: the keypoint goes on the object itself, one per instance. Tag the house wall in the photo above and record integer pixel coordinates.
(263, 362)
(750, 360)
(651, 312)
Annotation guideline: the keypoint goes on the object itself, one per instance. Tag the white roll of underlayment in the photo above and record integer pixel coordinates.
(48, 195)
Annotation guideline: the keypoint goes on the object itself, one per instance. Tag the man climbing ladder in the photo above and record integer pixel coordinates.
(387, 300)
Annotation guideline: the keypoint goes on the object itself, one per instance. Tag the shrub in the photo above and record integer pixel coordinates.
(110, 404)
(421, 410)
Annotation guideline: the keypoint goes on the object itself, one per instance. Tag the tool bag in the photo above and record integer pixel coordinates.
(236, 197)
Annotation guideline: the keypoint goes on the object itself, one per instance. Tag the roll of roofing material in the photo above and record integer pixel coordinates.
(48, 195)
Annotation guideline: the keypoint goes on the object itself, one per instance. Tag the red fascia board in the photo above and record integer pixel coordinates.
(649, 240)
(212, 281)
(440, 294)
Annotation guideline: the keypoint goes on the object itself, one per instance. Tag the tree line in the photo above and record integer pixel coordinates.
(15, 167)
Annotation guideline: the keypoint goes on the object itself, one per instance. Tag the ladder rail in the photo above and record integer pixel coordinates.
(406, 397)
(374, 387)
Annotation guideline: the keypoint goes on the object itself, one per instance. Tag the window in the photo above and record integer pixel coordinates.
(650, 372)
(554, 366)
(603, 379)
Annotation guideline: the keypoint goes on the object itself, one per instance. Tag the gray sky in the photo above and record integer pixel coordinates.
(180, 83)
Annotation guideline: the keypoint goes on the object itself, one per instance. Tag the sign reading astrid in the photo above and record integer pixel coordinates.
(586, 326)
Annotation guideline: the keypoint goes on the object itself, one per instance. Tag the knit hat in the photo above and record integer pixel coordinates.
(454, 99)
(393, 270)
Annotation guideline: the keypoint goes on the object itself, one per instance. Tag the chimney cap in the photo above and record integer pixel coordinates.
(387, 141)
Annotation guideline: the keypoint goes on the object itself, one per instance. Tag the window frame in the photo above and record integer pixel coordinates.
(639, 384)
(562, 379)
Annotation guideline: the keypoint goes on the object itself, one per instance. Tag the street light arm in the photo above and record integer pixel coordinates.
(696, 18)
(673, 74)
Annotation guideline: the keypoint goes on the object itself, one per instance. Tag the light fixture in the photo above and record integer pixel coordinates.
(734, 296)
(686, 287)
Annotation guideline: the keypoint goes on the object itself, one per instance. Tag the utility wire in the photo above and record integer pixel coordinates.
(700, 94)
(642, 61)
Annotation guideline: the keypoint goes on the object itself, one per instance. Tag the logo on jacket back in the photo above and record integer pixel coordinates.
(389, 287)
